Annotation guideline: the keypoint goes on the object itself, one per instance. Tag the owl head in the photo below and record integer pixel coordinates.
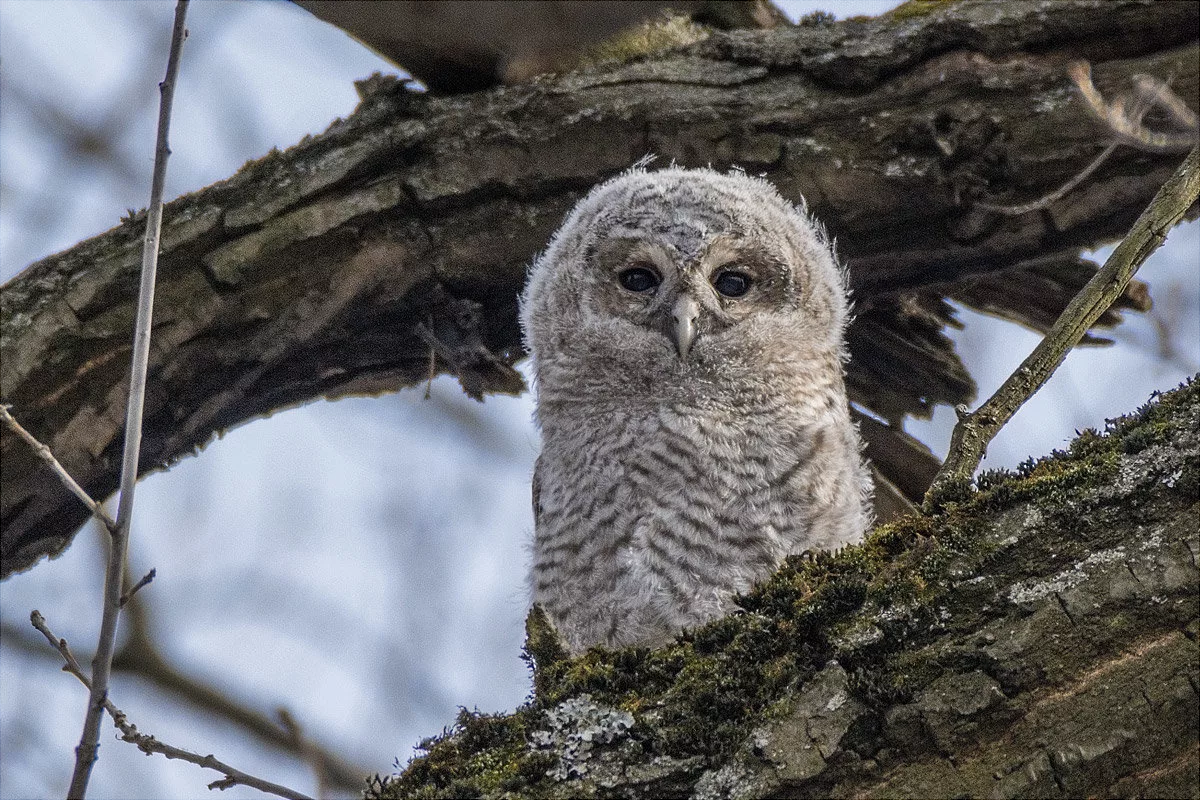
(682, 278)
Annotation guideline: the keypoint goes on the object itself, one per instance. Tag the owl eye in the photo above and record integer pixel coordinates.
(639, 279)
(732, 283)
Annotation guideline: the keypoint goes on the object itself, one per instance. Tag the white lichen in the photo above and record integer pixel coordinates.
(576, 727)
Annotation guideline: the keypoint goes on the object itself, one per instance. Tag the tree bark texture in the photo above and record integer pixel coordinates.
(395, 244)
(1037, 637)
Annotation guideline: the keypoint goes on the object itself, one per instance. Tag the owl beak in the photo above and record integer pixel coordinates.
(683, 324)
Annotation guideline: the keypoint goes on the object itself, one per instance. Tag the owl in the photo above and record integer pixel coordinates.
(686, 329)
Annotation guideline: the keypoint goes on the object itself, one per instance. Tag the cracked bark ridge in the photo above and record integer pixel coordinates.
(321, 271)
(1037, 639)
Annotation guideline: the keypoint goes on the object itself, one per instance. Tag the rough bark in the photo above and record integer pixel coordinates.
(1036, 637)
(397, 240)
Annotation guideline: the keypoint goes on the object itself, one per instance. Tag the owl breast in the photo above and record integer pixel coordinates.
(658, 517)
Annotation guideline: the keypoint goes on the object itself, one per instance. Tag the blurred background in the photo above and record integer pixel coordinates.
(358, 565)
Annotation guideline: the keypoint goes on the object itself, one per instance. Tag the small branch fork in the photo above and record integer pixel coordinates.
(114, 599)
(149, 576)
(129, 732)
(44, 453)
(1125, 123)
(976, 429)
(148, 744)
(1123, 119)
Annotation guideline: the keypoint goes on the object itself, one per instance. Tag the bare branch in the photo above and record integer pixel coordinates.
(148, 744)
(85, 754)
(1059, 193)
(1126, 122)
(1159, 95)
(72, 666)
(976, 429)
(44, 453)
(149, 576)
(135, 659)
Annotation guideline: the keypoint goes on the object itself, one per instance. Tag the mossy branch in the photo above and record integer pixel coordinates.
(975, 430)
(1036, 640)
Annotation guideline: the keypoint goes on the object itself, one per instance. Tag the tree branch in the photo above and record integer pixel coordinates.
(148, 744)
(177, 685)
(45, 455)
(976, 429)
(114, 574)
(310, 272)
(1037, 639)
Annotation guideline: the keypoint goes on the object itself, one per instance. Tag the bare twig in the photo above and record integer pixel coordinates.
(149, 576)
(85, 754)
(1160, 95)
(1123, 118)
(432, 368)
(1126, 124)
(1056, 195)
(133, 659)
(44, 453)
(148, 744)
(976, 429)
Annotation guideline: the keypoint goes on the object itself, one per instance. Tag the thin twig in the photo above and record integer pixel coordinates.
(85, 754)
(165, 678)
(43, 452)
(149, 576)
(1160, 95)
(976, 429)
(1126, 124)
(1056, 195)
(148, 744)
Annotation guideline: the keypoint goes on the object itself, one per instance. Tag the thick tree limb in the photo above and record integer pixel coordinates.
(313, 273)
(1035, 639)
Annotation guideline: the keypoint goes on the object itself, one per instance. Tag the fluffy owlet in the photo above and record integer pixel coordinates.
(686, 329)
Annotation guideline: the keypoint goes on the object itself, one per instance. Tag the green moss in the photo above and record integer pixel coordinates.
(482, 754)
(662, 33)
(917, 8)
(543, 648)
(871, 606)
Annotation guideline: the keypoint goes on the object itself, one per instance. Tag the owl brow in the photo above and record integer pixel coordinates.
(653, 254)
(725, 250)
(744, 254)
(621, 251)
